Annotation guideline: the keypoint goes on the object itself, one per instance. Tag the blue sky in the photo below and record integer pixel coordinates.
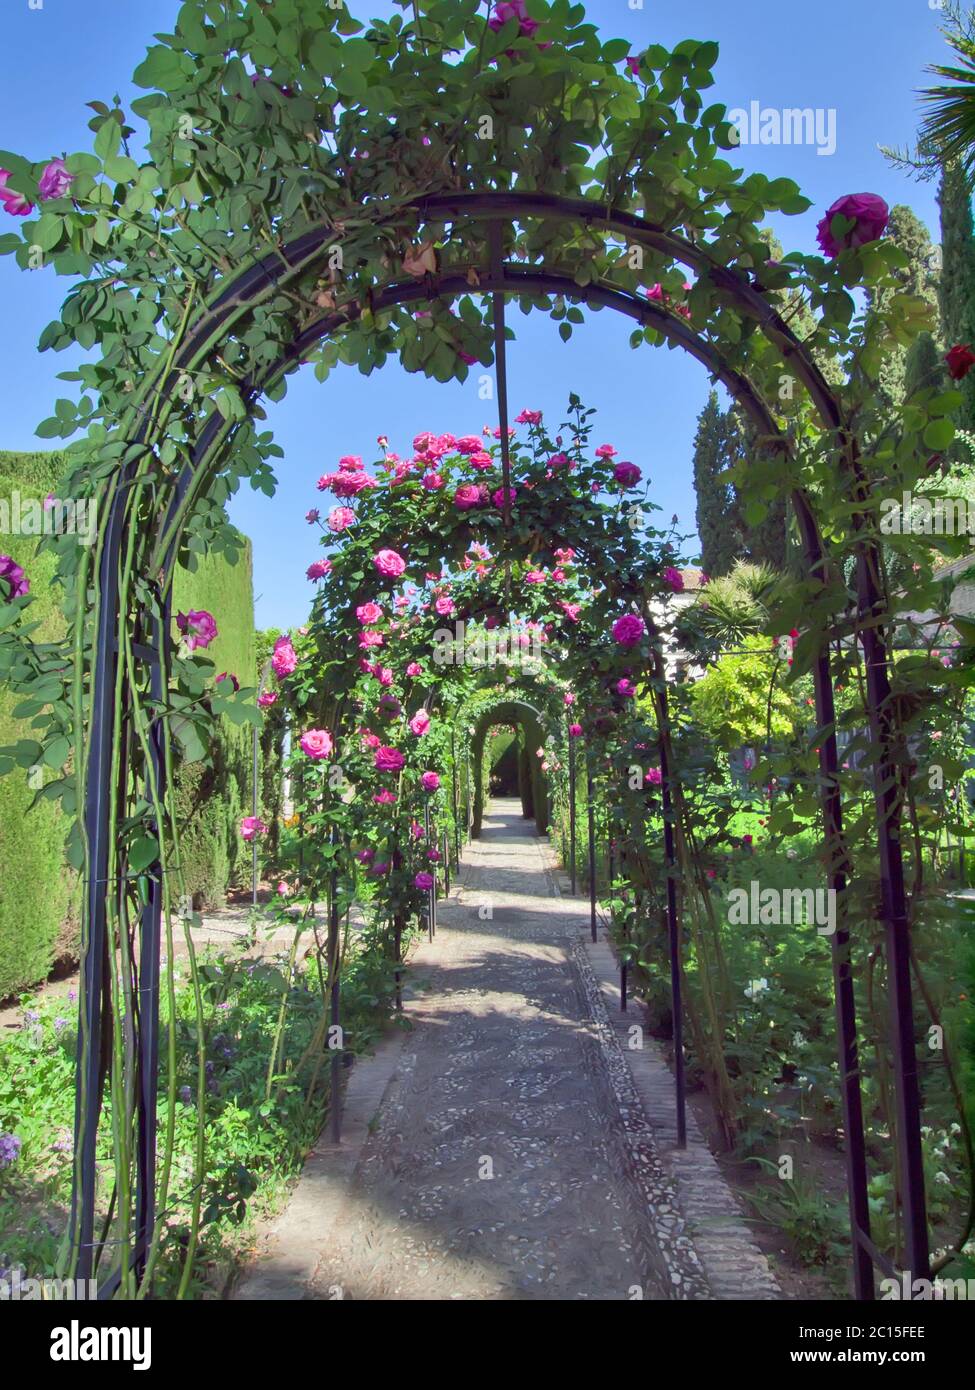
(865, 60)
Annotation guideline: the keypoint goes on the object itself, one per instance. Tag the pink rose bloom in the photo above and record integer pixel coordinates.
(481, 460)
(656, 292)
(529, 417)
(430, 781)
(283, 889)
(318, 569)
(383, 675)
(251, 827)
(468, 444)
(416, 830)
(423, 881)
(558, 461)
(15, 577)
(55, 180)
(467, 496)
(371, 740)
(869, 215)
(368, 613)
(383, 798)
(317, 743)
(673, 579)
(571, 610)
(655, 776)
(17, 204)
(340, 518)
(420, 722)
(606, 451)
(434, 856)
(575, 731)
(198, 628)
(433, 481)
(565, 555)
(444, 605)
(535, 577)
(626, 474)
(312, 516)
(414, 669)
(371, 639)
(350, 463)
(568, 698)
(389, 759)
(284, 658)
(625, 687)
(628, 631)
(389, 563)
(266, 699)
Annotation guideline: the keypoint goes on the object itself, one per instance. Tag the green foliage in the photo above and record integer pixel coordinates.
(956, 290)
(740, 700)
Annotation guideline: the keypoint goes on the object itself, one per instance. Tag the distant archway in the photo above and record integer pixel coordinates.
(534, 793)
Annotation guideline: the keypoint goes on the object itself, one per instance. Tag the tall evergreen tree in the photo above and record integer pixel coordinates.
(717, 505)
(918, 277)
(957, 283)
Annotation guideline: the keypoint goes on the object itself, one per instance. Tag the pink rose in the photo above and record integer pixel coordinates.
(340, 518)
(312, 516)
(673, 579)
(251, 827)
(869, 215)
(467, 496)
(317, 743)
(432, 481)
(575, 731)
(17, 204)
(389, 563)
(267, 698)
(55, 180)
(568, 698)
(420, 722)
(626, 474)
(198, 628)
(383, 798)
(430, 781)
(606, 451)
(625, 687)
(414, 669)
(655, 776)
(444, 605)
(284, 659)
(423, 881)
(318, 569)
(389, 759)
(368, 613)
(628, 631)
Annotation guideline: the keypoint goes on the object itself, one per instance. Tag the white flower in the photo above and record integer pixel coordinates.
(943, 1178)
(756, 988)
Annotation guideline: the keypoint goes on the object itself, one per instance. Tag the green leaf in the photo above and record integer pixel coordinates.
(939, 434)
(56, 754)
(142, 853)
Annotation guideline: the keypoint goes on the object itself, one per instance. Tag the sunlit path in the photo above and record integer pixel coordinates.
(510, 1158)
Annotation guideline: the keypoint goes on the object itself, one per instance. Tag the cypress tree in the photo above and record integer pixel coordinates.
(717, 505)
(957, 283)
(918, 277)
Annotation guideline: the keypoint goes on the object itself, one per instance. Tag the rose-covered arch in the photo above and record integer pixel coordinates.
(204, 301)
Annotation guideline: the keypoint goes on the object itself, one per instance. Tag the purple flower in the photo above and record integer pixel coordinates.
(15, 577)
(198, 628)
(423, 881)
(9, 1149)
(60, 1024)
(867, 211)
(31, 1016)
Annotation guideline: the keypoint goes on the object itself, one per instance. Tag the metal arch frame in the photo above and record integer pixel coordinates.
(500, 278)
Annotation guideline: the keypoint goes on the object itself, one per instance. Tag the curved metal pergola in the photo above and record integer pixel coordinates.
(494, 212)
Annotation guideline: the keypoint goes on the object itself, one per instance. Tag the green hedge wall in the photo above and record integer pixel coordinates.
(38, 896)
(39, 904)
(212, 800)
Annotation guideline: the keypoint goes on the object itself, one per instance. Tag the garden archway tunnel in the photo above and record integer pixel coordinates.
(532, 787)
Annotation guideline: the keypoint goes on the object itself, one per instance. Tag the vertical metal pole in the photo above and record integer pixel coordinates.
(572, 808)
(148, 1000)
(446, 863)
(254, 813)
(469, 808)
(93, 994)
(432, 891)
(456, 799)
(894, 913)
(335, 1000)
(673, 925)
(591, 814)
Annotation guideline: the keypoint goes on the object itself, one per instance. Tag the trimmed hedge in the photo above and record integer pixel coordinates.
(39, 896)
(212, 800)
